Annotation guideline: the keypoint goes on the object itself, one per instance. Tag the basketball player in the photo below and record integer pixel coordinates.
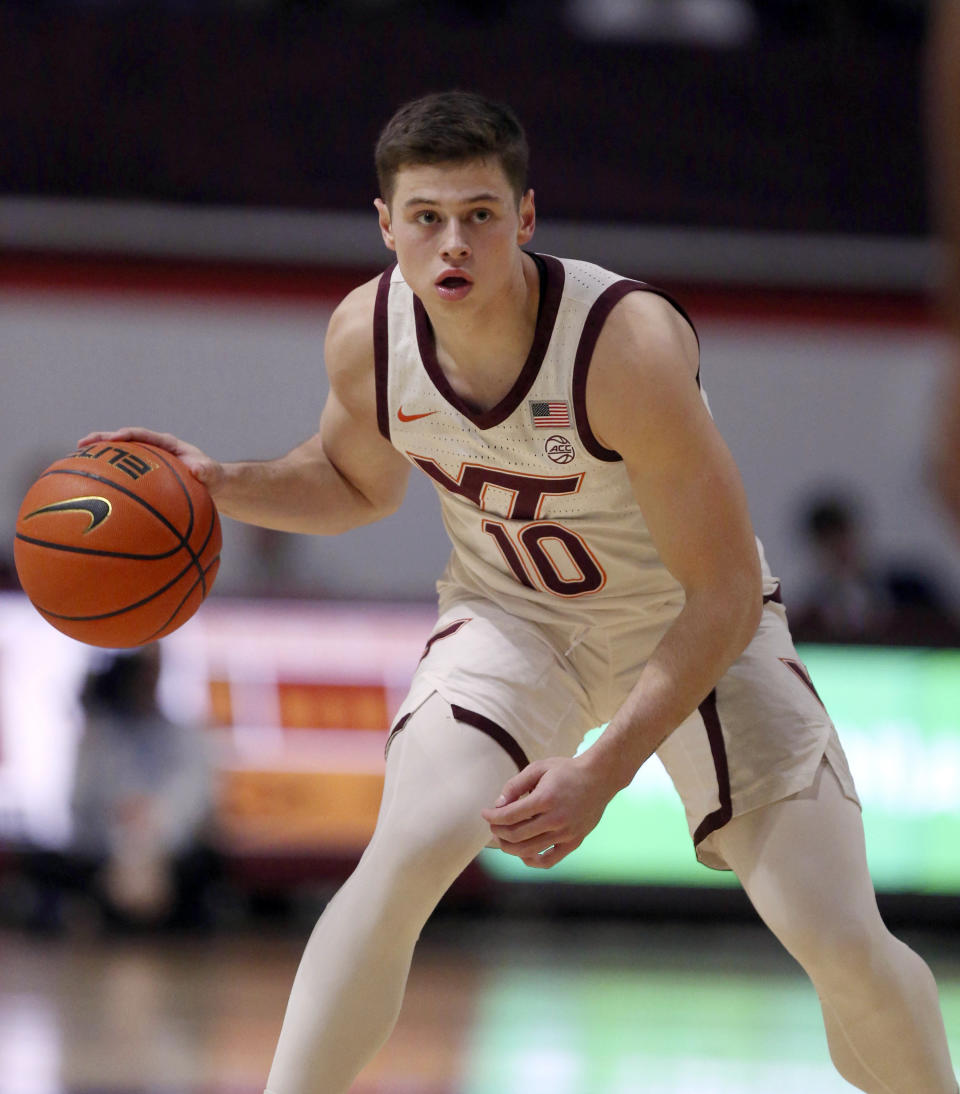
(604, 569)
(943, 69)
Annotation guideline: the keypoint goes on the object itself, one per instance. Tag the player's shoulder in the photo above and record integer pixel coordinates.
(349, 340)
(647, 326)
(584, 281)
(587, 281)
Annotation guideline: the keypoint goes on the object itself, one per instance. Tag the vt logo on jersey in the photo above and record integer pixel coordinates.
(97, 509)
(526, 493)
(541, 553)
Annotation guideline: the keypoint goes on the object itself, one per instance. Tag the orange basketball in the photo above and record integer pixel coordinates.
(117, 544)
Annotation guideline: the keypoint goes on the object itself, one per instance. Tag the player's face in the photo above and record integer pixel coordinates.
(456, 230)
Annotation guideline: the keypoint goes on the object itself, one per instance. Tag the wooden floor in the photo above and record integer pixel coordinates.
(494, 1007)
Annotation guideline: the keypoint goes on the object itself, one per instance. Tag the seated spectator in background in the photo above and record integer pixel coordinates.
(142, 803)
(853, 598)
(9, 582)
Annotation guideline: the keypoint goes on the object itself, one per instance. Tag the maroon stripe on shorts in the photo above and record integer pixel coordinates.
(719, 817)
(398, 728)
(445, 633)
(381, 351)
(497, 733)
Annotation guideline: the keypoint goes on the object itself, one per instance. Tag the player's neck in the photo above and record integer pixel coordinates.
(482, 351)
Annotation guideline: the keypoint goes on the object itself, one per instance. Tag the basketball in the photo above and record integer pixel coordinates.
(117, 545)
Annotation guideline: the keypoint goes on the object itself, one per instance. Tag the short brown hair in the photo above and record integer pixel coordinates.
(452, 127)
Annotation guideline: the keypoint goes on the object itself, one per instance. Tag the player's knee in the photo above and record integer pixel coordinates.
(445, 844)
(841, 951)
(423, 851)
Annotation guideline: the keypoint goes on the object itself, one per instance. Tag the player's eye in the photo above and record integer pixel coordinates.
(482, 215)
(426, 216)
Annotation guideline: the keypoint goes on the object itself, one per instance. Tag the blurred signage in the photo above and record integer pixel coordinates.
(296, 700)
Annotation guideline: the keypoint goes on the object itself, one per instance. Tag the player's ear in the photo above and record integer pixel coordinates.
(528, 218)
(385, 225)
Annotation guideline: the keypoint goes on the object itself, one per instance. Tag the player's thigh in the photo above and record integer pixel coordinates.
(440, 772)
(803, 863)
(507, 677)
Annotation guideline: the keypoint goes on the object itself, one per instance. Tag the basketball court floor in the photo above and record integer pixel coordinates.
(495, 1006)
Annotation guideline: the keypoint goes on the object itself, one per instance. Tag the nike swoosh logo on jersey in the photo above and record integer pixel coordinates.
(98, 509)
(413, 417)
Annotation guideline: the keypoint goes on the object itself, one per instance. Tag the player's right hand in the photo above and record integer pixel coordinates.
(198, 463)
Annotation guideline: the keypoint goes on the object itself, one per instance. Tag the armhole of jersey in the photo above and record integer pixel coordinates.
(381, 351)
(596, 317)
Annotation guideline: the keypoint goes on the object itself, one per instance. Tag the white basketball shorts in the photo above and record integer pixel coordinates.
(538, 688)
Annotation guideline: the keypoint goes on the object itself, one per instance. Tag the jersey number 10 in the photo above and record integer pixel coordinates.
(546, 554)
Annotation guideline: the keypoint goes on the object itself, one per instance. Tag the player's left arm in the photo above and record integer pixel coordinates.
(643, 401)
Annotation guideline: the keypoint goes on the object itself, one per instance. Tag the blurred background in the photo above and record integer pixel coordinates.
(186, 192)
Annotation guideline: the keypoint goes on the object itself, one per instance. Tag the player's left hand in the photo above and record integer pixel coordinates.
(547, 811)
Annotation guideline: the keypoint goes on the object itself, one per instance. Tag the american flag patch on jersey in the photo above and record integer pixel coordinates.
(552, 414)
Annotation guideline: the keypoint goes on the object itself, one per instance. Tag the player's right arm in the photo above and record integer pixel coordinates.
(344, 476)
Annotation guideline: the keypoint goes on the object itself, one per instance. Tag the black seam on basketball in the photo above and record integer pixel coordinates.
(96, 552)
(190, 524)
(183, 486)
(135, 556)
(202, 580)
(182, 545)
(125, 608)
(203, 547)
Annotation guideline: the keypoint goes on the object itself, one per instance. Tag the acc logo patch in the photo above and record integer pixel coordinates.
(559, 449)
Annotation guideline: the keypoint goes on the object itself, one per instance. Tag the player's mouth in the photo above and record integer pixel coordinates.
(453, 285)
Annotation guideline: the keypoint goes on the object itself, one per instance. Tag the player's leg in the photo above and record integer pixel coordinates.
(803, 863)
(348, 989)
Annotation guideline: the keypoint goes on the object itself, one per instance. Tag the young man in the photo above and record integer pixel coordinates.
(604, 570)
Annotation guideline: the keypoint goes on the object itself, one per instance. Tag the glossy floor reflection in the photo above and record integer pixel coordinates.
(493, 1008)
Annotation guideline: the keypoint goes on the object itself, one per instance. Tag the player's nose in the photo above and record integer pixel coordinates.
(453, 244)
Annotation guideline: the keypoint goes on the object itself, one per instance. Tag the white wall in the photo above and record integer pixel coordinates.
(797, 403)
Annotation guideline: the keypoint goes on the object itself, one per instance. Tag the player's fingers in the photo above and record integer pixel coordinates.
(526, 849)
(201, 466)
(511, 806)
(529, 847)
(533, 829)
(130, 433)
(544, 859)
(550, 856)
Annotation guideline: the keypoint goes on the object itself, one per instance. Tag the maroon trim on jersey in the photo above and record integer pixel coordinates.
(381, 351)
(596, 317)
(719, 817)
(496, 732)
(551, 291)
(776, 596)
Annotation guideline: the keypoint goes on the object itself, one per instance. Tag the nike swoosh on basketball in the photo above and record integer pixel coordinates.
(97, 508)
(413, 417)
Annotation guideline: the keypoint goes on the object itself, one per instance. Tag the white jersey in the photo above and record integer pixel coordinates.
(541, 515)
